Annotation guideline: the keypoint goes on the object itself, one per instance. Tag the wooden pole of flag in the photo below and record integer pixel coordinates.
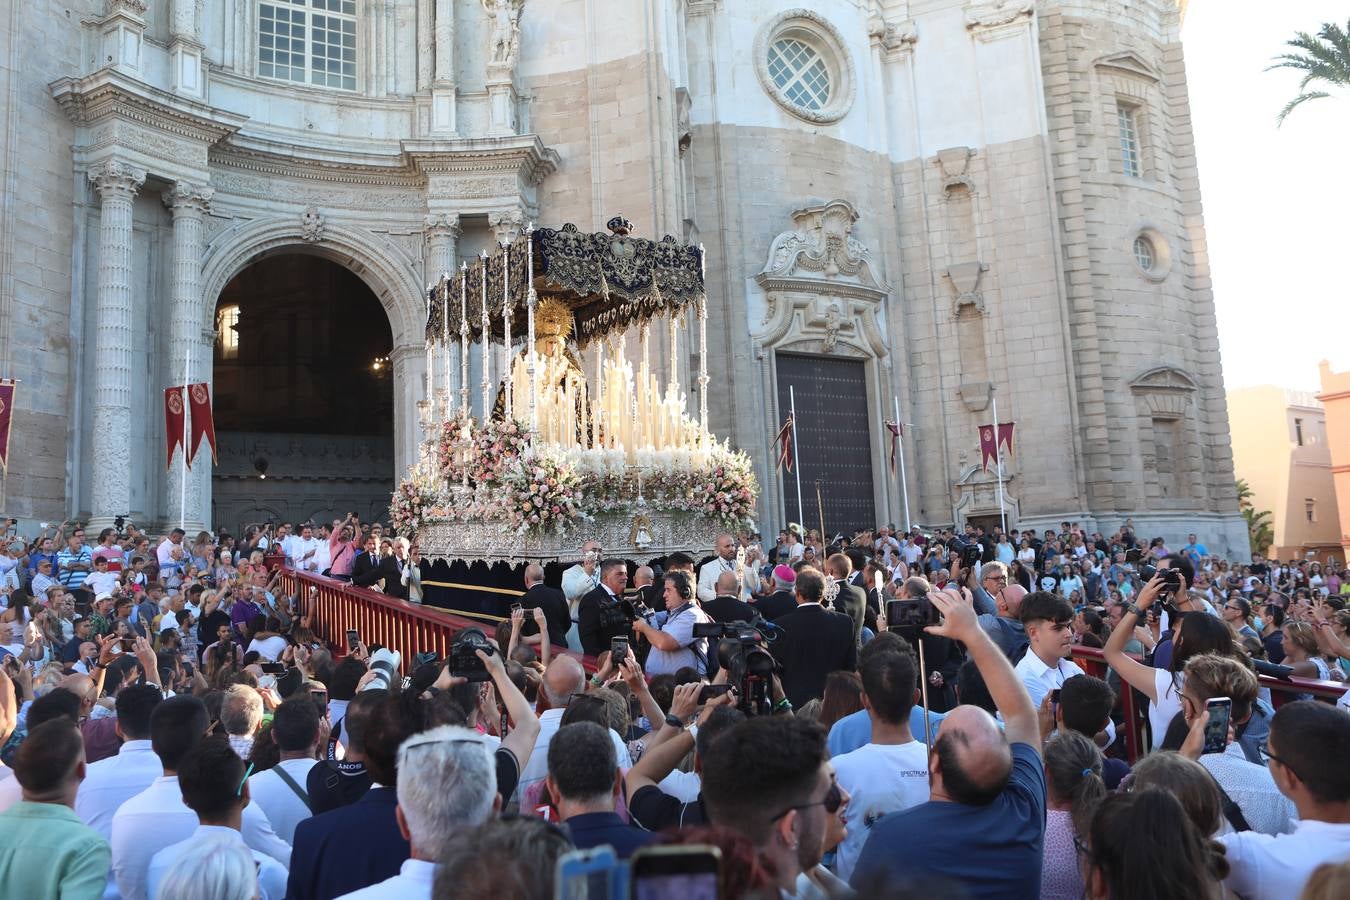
(796, 460)
(904, 485)
(998, 457)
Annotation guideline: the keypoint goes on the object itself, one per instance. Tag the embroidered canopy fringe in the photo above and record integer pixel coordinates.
(609, 282)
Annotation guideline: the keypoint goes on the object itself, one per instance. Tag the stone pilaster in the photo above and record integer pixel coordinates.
(443, 119)
(185, 49)
(117, 185)
(442, 234)
(189, 353)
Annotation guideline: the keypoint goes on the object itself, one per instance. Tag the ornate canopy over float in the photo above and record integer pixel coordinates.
(618, 457)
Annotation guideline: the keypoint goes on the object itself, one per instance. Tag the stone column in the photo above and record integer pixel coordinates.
(189, 203)
(442, 233)
(117, 185)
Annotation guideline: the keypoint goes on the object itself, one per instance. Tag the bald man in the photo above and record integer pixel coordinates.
(551, 600)
(563, 679)
(987, 788)
(1004, 625)
(725, 561)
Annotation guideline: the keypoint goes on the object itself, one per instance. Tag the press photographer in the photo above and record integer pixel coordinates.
(674, 635)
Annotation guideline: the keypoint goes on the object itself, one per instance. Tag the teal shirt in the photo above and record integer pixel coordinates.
(47, 852)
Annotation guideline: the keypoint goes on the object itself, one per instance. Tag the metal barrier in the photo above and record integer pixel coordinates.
(334, 607)
(1135, 713)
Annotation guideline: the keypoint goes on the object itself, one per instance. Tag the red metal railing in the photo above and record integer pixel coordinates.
(1136, 714)
(334, 607)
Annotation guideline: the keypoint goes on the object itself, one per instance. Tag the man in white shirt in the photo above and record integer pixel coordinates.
(212, 781)
(891, 772)
(280, 791)
(164, 553)
(563, 678)
(886, 546)
(725, 561)
(44, 578)
(1247, 784)
(156, 817)
(1305, 752)
(447, 783)
(1046, 664)
(583, 577)
(113, 781)
(303, 552)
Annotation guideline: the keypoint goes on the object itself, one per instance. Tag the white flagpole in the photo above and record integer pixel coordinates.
(998, 456)
(796, 460)
(904, 485)
(187, 411)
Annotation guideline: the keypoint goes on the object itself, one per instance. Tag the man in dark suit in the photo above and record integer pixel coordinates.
(374, 564)
(858, 559)
(551, 600)
(814, 641)
(583, 783)
(358, 845)
(598, 614)
(850, 599)
(781, 601)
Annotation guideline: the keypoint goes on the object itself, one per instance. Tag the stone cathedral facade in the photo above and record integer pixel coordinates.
(952, 204)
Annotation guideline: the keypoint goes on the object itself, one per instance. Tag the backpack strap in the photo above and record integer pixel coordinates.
(293, 785)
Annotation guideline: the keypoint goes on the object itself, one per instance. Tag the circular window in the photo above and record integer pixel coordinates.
(1151, 252)
(1143, 253)
(803, 65)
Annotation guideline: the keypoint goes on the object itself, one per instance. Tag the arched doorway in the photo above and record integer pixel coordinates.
(304, 398)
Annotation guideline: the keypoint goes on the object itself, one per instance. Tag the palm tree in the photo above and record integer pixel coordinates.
(1324, 59)
(1259, 530)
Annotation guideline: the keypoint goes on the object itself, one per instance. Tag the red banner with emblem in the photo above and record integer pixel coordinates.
(988, 447)
(173, 422)
(199, 399)
(7, 388)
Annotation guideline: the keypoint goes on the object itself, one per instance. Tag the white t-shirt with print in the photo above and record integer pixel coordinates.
(880, 779)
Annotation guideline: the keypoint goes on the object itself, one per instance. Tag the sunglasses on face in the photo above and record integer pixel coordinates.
(833, 799)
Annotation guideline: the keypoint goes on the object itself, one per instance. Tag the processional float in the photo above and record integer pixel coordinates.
(555, 456)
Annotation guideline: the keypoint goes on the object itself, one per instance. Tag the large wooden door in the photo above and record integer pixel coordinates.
(834, 437)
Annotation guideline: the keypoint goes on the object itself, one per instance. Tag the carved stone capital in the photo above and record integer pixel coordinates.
(114, 179)
(506, 224)
(186, 198)
(894, 39)
(441, 226)
(135, 8)
(965, 279)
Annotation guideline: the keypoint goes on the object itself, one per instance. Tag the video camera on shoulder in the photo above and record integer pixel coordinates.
(749, 667)
(464, 661)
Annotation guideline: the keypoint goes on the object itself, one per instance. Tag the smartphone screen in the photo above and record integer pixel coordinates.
(618, 650)
(709, 691)
(587, 875)
(1216, 729)
(353, 640)
(690, 872)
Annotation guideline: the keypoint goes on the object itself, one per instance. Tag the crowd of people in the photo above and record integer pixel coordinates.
(884, 715)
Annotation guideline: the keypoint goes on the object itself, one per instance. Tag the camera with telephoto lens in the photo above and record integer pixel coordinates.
(749, 667)
(970, 552)
(464, 661)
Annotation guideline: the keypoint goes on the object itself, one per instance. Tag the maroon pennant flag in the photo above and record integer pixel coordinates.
(1005, 437)
(173, 422)
(988, 447)
(896, 429)
(199, 397)
(784, 444)
(7, 388)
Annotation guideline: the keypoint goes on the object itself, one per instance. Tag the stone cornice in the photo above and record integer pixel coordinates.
(112, 94)
(523, 154)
